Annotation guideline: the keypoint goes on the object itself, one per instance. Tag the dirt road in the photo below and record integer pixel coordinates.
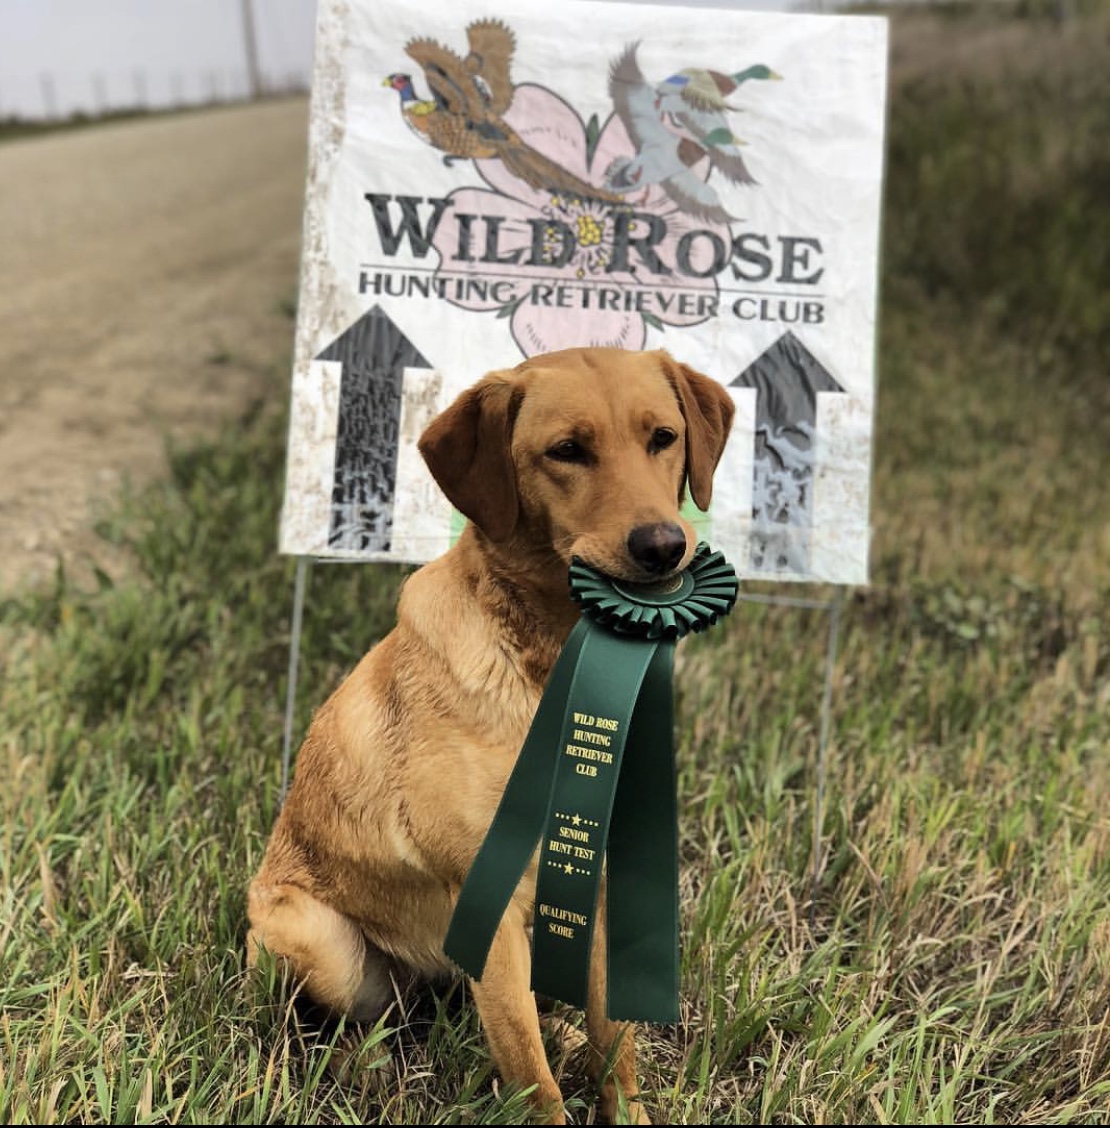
(143, 271)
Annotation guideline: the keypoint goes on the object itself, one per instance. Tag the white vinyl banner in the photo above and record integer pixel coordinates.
(490, 181)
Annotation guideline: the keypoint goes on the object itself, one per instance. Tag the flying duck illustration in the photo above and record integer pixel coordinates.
(708, 90)
(464, 116)
(674, 125)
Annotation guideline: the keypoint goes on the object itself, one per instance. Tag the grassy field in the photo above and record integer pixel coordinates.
(954, 966)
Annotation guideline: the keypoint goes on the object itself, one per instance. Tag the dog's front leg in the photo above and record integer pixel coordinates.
(612, 1044)
(508, 1011)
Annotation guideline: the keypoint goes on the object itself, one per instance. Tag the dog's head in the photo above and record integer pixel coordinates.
(588, 451)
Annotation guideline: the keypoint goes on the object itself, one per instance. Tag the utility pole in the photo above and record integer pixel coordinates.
(254, 76)
(49, 97)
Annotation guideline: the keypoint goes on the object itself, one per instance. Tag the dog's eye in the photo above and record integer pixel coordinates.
(568, 451)
(661, 438)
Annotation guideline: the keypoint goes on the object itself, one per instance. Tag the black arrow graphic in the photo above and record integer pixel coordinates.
(374, 354)
(787, 378)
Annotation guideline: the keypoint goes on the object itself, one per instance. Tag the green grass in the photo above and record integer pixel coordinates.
(955, 964)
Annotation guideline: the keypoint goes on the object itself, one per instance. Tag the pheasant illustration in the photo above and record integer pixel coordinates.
(674, 125)
(464, 116)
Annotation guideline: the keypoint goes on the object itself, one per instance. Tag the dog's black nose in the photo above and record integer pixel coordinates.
(657, 548)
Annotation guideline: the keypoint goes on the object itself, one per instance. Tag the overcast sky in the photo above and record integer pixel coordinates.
(60, 55)
(90, 53)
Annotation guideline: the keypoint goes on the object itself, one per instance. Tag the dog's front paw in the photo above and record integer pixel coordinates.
(637, 1114)
(617, 1108)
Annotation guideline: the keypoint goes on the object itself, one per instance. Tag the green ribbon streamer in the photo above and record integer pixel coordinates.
(575, 793)
(643, 865)
(603, 695)
(517, 824)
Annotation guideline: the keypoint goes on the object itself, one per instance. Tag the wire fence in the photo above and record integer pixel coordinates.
(52, 96)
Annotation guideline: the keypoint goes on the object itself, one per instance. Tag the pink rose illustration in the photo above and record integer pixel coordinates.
(569, 271)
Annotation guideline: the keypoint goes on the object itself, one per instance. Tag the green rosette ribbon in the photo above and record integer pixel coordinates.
(575, 793)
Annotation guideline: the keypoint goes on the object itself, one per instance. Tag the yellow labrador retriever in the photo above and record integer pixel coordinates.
(585, 452)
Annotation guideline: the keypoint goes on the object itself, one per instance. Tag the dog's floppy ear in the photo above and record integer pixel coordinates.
(708, 410)
(467, 449)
